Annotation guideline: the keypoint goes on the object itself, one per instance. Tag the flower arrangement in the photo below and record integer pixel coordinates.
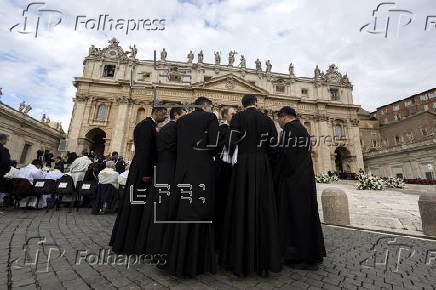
(334, 178)
(367, 181)
(394, 182)
(326, 178)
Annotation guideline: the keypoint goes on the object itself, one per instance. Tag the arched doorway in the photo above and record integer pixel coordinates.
(342, 156)
(96, 138)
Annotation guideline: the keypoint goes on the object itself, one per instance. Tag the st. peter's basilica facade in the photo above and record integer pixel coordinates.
(117, 90)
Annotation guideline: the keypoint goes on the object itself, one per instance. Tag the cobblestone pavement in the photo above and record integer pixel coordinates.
(356, 259)
(387, 210)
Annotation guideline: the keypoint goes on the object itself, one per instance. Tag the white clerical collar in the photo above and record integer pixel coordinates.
(153, 120)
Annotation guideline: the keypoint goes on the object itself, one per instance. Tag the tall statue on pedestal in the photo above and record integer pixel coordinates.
(258, 65)
(268, 66)
(190, 57)
(291, 70)
(163, 55)
(243, 63)
(317, 72)
(232, 58)
(217, 58)
(133, 51)
(200, 57)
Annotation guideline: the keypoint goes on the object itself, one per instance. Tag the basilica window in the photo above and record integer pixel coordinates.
(109, 71)
(24, 153)
(101, 112)
(280, 88)
(397, 139)
(144, 76)
(396, 108)
(424, 132)
(304, 92)
(175, 78)
(339, 131)
(424, 97)
(334, 94)
(207, 78)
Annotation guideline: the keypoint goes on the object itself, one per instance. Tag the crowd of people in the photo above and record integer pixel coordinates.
(111, 170)
(236, 194)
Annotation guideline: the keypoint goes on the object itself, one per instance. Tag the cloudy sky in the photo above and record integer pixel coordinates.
(310, 32)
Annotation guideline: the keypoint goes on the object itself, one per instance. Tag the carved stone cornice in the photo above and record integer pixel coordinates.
(355, 122)
(124, 100)
(82, 98)
(112, 52)
(321, 117)
(333, 77)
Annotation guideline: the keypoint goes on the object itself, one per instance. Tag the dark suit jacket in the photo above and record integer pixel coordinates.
(5, 160)
(197, 135)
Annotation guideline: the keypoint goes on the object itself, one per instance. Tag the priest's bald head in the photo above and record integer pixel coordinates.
(203, 103)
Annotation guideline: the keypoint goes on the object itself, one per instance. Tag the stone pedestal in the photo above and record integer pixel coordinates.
(427, 209)
(335, 206)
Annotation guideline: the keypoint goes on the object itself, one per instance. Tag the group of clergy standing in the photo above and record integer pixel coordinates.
(235, 195)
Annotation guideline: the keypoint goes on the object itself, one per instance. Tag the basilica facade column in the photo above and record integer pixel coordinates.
(324, 143)
(120, 130)
(354, 137)
(77, 119)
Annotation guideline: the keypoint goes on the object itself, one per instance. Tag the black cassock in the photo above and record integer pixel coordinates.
(250, 233)
(192, 250)
(154, 236)
(301, 236)
(127, 223)
(223, 177)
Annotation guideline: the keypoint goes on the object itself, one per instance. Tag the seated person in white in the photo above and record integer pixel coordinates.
(53, 174)
(32, 171)
(109, 175)
(13, 172)
(122, 178)
(106, 176)
(79, 167)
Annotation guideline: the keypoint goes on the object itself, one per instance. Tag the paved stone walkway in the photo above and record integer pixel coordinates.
(356, 259)
(387, 210)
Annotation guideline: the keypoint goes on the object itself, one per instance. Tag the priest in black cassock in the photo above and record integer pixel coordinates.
(193, 251)
(250, 232)
(127, 223)
(223, 166)
(154, 237)
(301, 237)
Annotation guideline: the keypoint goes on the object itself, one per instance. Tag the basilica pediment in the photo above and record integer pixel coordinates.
(230, 83)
